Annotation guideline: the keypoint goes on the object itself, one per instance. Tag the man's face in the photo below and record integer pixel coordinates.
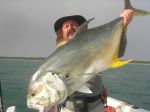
(68, 29)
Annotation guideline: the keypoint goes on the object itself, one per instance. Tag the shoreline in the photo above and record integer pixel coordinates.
(43, 58)
(24, 58)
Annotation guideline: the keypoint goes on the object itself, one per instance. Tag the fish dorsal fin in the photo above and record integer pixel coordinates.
(123, 42)
(82, 27)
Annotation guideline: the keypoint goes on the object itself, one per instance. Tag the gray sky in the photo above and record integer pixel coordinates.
(26, 26)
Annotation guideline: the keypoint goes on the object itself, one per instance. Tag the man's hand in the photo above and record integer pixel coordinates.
(127, 15)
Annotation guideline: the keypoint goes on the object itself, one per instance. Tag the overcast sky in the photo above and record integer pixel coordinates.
(26, 26)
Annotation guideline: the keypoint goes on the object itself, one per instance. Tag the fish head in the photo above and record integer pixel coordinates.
(47, 91)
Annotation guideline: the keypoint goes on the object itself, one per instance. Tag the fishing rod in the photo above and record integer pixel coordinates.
(1, 99)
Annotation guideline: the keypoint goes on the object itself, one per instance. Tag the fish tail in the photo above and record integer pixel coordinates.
(136, 12)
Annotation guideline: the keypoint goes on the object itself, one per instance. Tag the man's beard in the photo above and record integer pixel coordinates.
(71, 33)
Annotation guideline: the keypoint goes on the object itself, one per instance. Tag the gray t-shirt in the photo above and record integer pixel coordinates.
(96, 86)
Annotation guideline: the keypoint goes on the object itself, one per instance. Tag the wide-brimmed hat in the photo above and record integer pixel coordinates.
(58, 25)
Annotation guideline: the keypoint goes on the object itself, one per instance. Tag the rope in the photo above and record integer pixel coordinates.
(121, 107)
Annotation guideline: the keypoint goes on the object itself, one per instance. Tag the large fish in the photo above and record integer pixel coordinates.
(73, 64)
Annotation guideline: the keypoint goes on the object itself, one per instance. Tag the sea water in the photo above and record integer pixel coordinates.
(130, 83)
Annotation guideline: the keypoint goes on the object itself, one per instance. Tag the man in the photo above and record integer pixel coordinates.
(85, 101)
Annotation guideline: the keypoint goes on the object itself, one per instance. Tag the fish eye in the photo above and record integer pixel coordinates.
(32, 94)
(37, 91)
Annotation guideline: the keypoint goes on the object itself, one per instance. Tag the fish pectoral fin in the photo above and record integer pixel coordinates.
(77, 81)
(84, 89)
(117, 63)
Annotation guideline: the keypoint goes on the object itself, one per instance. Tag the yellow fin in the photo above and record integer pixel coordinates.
(117, 63)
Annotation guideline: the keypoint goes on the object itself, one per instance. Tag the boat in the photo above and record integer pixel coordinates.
(121, 106)
(118, 105)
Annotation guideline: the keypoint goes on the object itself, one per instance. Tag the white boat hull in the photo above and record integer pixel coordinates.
(121, 106)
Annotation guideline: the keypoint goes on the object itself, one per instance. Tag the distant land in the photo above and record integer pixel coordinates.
(43, 58)
(23, 58)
